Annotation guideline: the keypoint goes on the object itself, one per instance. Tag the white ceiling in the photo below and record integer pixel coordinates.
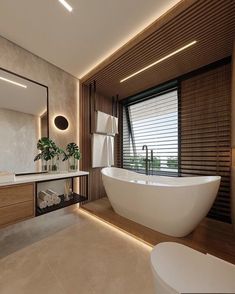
(31, 100)
(77, 41)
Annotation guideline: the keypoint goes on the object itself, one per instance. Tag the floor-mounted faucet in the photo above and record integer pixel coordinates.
(145, 147)
(147, 161)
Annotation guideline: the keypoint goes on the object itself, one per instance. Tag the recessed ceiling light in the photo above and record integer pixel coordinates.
(12, 82)
(66, 5)
(158, 61)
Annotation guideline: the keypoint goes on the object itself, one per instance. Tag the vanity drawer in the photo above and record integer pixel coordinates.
(10, 195)
(17, 212)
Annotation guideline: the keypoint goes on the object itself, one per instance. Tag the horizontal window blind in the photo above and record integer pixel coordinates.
(152, 122)
(205, 131)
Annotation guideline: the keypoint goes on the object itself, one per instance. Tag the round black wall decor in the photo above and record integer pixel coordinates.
(61, 122)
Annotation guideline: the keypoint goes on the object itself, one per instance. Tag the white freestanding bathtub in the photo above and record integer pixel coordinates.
(172, 206)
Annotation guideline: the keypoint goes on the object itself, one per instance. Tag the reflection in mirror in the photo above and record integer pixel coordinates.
(23, 120)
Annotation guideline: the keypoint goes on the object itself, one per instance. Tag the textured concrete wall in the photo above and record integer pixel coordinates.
(63, 88)
(18, 140)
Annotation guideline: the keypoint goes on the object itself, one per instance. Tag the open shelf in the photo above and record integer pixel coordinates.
(75, 198)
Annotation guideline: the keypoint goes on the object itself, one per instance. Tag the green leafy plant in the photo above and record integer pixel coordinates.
(172, 162)
(73, 155)
(48, 151)
(72, 151)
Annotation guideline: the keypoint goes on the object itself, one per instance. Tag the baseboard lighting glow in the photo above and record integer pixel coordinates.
(116, 229)
(12, 82)
(66, 5)
(158, 61)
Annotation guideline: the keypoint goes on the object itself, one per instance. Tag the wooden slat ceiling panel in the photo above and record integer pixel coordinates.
(148, 48)
(210, 22)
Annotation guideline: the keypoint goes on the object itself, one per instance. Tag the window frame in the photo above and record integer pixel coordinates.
(147, 95)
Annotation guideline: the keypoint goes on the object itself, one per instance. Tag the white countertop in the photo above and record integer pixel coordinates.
(43, 177)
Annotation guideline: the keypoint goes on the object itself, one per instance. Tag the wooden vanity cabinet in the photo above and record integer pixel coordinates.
(16, 203)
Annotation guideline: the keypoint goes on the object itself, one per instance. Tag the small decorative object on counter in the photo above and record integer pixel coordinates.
(72, 154)
(48, 152)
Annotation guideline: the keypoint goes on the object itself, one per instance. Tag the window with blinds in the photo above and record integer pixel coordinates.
(152, 121)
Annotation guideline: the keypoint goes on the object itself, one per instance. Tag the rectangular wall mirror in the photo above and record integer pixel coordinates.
(23, 120)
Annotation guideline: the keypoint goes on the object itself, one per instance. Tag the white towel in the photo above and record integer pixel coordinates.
(102, 122)
(41, 203)
(98, 155)
(57, 200)
(102, 150)
(109, 128)
(54, 196)
(50, 202)
(106, 123)
(44, 196)
(52, 193)
(114, 125)
(109, 152)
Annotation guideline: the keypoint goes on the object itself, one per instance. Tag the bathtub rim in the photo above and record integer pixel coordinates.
(211, 179)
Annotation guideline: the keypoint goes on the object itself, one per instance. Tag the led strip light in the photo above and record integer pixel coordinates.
(158, 61)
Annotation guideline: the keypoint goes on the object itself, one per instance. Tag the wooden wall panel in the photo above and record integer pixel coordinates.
(206, 131)
(210, 22)
(87, 124)
(119, 139)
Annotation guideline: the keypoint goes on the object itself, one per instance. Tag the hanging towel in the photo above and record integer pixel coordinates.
(106, 124)
(114, 125)
(102, 122)
(109, 150)
(102, 150)
(98, 151)
(109, 129)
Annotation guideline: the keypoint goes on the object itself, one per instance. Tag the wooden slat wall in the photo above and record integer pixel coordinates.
(87, 117)
(206, 131)
(119, 139)
(210, 22)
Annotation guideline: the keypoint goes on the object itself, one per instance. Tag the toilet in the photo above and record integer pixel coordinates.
(180, 269)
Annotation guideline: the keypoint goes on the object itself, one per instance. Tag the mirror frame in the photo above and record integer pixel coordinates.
(47, 97)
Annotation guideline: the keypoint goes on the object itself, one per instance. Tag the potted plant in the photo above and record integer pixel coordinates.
(55, 156)
(48, 152)
(72, 154)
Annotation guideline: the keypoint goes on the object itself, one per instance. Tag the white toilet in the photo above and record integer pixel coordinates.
(180, 269)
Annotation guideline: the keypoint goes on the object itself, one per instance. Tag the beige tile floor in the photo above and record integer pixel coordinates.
(82, 255)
